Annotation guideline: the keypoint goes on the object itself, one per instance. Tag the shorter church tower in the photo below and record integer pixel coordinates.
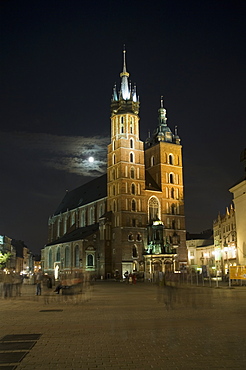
(166, 219)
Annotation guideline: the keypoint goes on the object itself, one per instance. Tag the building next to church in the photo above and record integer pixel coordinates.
(132, 218)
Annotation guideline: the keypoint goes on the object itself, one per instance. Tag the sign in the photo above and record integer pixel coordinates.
(238, 272)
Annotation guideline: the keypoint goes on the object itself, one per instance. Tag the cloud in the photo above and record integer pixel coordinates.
(62, 153)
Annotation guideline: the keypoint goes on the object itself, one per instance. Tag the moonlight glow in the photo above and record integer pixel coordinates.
(91, 159)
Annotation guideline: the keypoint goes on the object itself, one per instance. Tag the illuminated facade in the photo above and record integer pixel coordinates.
(239, 199)
(132, 218)
(225, 242)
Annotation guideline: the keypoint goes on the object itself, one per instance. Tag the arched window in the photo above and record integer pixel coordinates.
(67, 256)
(131, 143)
(130, 236)
(170, 159)
(90, 260)
(131, 157)
(114, 206)
(133, 189)
(154, 209)
(134, 251)
(113, 189)
(134, 207)
(172, 193)
(131, 126)
(113, 158)
(173, 209)
(58, 254)
(50, 258)
(171, 178)
(139, 237)
(76, 256)
(132, 173)
(122, 125)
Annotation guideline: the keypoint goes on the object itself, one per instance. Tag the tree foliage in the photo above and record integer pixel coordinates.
(4, 257)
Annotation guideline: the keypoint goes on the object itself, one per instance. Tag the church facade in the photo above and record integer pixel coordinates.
(132, 218)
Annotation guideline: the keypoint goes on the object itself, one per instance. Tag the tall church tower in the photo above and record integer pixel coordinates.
(126, 178)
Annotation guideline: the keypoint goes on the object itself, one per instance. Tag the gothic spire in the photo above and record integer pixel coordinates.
(125, 91)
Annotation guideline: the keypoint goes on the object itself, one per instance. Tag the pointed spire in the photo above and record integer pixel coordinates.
(124, 72)
(125, 92)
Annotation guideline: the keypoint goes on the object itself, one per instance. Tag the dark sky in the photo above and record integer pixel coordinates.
(59, 62)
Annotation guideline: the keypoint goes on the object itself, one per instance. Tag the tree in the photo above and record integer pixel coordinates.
(4, 257)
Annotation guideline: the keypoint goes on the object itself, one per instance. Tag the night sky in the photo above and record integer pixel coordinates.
(59, 62)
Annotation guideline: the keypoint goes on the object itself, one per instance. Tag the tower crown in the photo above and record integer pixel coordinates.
(126, 100)
(162, 131)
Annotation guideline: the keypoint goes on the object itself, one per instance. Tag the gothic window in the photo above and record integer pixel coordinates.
(173, 224)
(58, 254)
(73, 219)
(67, 256)
(113, 189)
(82, 221)
(92, 215)
(172, 209)
(50, 258)
(172, 193)
(134, 205)
(154, 208)
(100, 210)
(65, 225)
(113, 158)
(114, 206)
(90, 260)
(132, 173)
(170, 159)
(58, 228)
(76, 256)
(134, 251)
(131, 157)
(133, 189)
(113, 174)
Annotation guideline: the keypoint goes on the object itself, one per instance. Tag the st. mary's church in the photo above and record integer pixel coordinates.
(132, 217)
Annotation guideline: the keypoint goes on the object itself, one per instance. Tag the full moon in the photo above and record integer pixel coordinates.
(91, 159)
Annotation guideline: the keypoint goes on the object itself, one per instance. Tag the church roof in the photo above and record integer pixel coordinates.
(84, 194)
(77, 234)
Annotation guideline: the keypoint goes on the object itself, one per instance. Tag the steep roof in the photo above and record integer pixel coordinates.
(77, 234)
(84, 194)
